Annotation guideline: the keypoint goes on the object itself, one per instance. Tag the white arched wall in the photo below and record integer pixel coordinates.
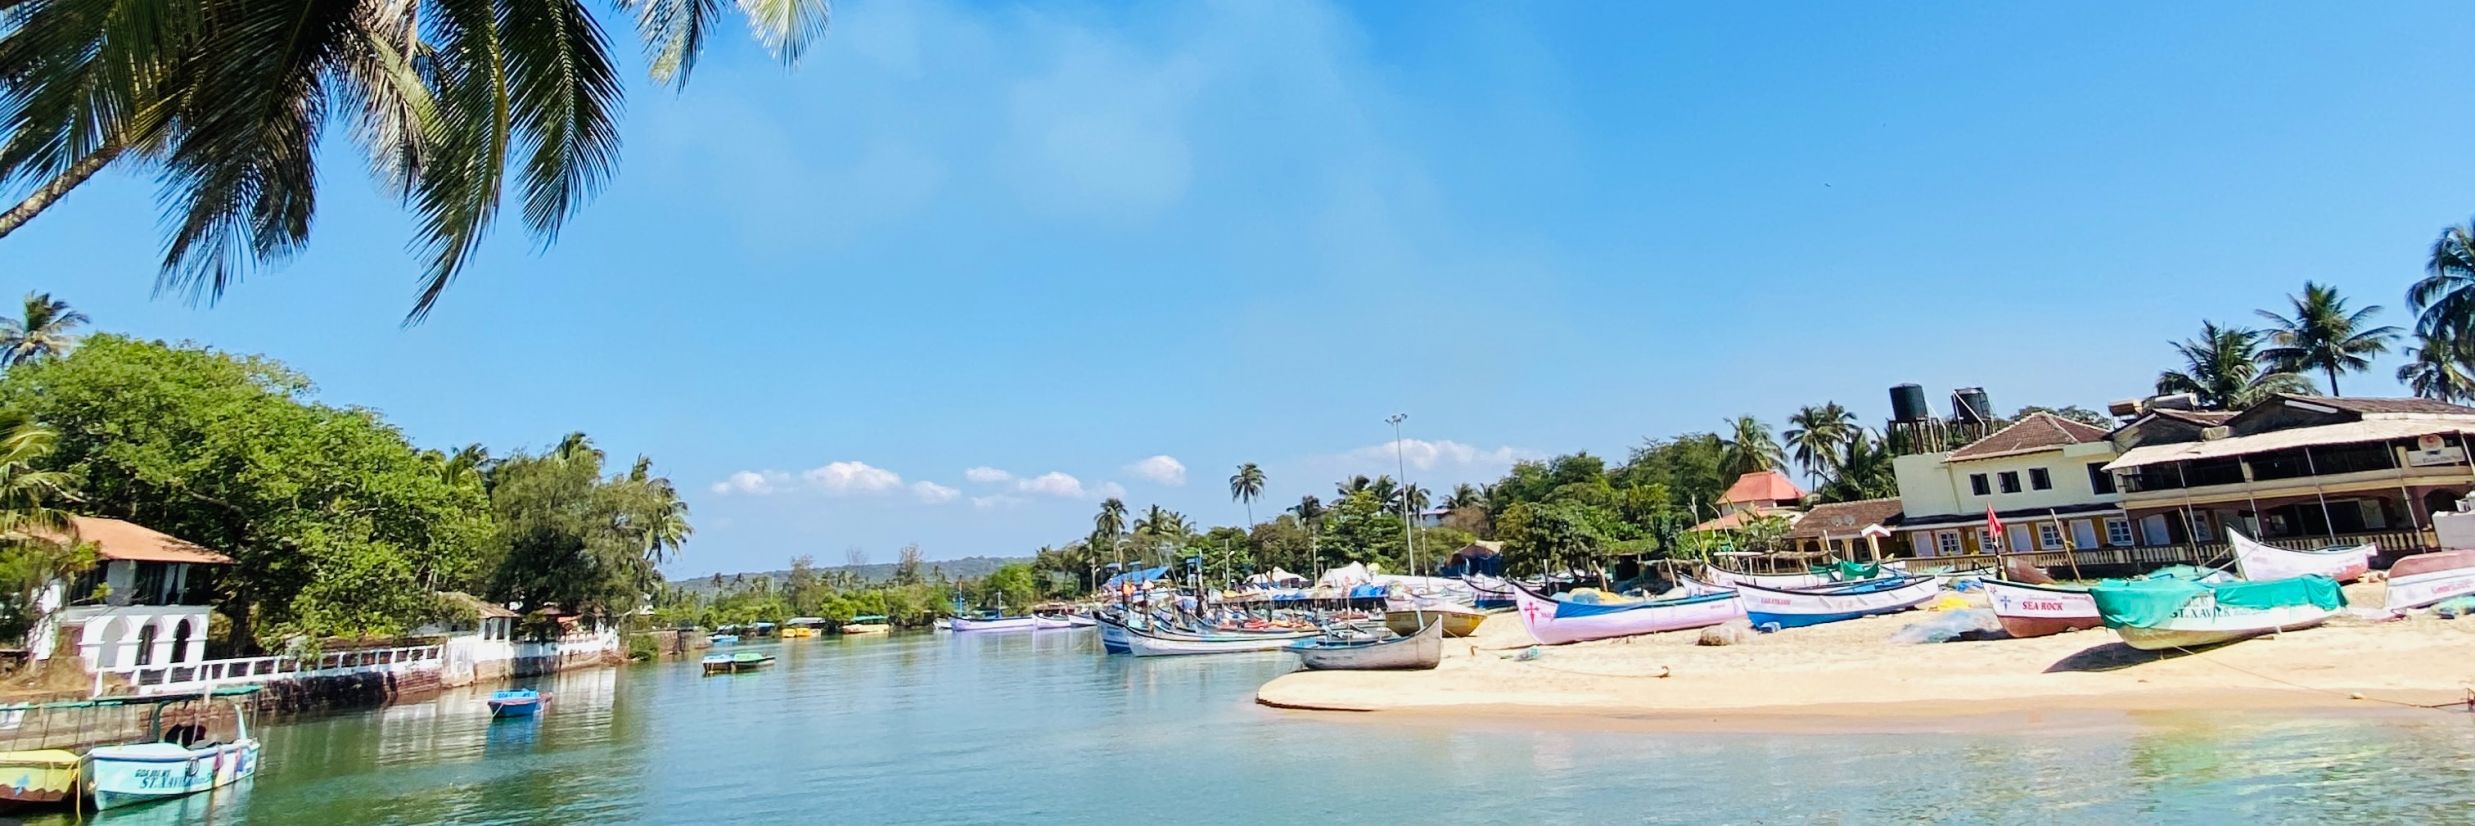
(110, 641)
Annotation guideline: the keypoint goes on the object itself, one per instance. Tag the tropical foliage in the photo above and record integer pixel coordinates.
(2322, 335)
(2223, 369)
(42, 331)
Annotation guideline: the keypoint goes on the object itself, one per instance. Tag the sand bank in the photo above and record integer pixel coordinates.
(1851, 670)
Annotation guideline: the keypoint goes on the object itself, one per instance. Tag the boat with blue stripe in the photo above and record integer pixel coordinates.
(1775, 608)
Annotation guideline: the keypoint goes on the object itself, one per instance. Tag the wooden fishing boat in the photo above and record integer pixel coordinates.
(1421, 649)
(1081, 620)
(2027, 610)
(2262, 563)
(1457, 620)
(1114, 636)
(1144, 643)
(1489, 593)
(716, 664)
(2424, 579)
(36, 777)
(992, 623)
(1724, 578)
(723, 639)
(2166, 613)
(802, 627)
(750, 660)
(1556, 622)
(516, 702)
(867, 624)
(1784, 608)
(1052, 622)
(178, 760)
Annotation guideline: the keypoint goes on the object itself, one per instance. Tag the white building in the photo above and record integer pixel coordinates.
(145, 602)
(2044, 477)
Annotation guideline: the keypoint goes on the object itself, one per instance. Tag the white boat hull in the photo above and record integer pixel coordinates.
(1007, 624)
(1730, 579)
(1041, 623)
(2204, 621)
(1422, 650)
(1796, 609)
(1555, 623)
(2419, 581)
(126, 775)
(2262, 563)
(1143, 644)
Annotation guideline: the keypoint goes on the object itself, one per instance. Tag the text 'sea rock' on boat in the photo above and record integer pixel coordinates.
(183, 758)
(2164, 613)
(1786, 608)
(2424, 579)
(1419, 650)
(2262, 563)
(1555, 621)
(2027, 610)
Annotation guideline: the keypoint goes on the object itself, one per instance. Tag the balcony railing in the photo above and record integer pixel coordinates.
(180, 678)
(2207, 554)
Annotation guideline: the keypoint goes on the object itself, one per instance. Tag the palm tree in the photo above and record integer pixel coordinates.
(1412, 500)
(1111, 523)
(227, 102)
(2437, 369)
(2322, 335)
(1245, 487)
(1818, 433)
(1384, 489)
(2444, 301)
(43, 332)
(1863, 470)
(1749, 447)
(1153, 527)
(1464, 495)
(1352, 485)
(1309, 510)
(2222, 368)
(39, 545)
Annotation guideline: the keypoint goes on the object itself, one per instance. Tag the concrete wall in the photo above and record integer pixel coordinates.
(1930, 486)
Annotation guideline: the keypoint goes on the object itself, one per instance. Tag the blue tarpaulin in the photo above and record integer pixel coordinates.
(1365, 591)
(1141, 576)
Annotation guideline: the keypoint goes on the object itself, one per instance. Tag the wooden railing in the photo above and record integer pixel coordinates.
(174, 678)
(2391, 544)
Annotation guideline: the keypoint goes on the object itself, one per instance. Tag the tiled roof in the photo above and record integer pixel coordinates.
(1845, 518)
(1732, 521)
(2039, 431)
(2203, 418)
(1762, 486)
(2380, 406)
(116, 539)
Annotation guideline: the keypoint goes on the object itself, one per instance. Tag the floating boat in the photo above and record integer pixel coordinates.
(1143, 643)
(867, 624)
(724, 639)
(174, 762)
(993, 623)
(1784, 608)
(1053, 622)
(1555, 622)
(1114, 636)
(801, 627)
(716, 664)
(2262, 563)
(517, 702)
(745, 660)
(1081, 620)
(36, 777)
(2027, 610)
(1419, 650)
(1458, 621)
(2164, 613)
(2424, 579)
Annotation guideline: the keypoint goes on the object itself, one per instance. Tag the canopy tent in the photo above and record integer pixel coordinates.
(1135, 577)
(1480, 557)
(1277, 577)
(1354, 573)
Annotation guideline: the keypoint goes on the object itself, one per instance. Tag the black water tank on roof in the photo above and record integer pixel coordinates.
(1969, 404)
(1908, 403)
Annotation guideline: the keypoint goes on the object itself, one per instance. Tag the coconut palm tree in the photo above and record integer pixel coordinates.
(226, 102)
(1157, 527)
(1309, 510)
(2444, 301)
(2437, 369)
(1748, 447)
(28, 494)
(1351, 485)
(1817, 433)
(2223, 369)
(1110, 523)
(1384, 489)
(42, 333)
(1863, 470)
(1245, 486)
(1464, 495)
(2323, 335)
(1412, 499)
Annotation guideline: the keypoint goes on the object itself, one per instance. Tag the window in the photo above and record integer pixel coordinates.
(2049, 536)
(1977, 485)
(2099, 480)
(2010, 481)
(2200, 528)
(2083, 534)
(2038, 479)
(2118, 531)
(1988, 542)
(1949, 541)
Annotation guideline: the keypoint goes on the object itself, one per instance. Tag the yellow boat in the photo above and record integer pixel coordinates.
(1458, 621)
(797, 628)
(40, 776)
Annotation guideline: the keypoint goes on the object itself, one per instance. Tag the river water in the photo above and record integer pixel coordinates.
(1026, 728)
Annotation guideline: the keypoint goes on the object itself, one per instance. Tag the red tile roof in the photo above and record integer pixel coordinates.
(2378, 406)
(1733, 521)
(1844, 519)
(2039, 431)
(1761, 486)
(115, 539)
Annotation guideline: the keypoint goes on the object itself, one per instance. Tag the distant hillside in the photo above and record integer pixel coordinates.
(969, 567)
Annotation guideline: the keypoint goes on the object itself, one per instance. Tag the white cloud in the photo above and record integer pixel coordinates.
(1164, 469)
(1052, 483)
(843, 478)
(1426, 455)
(996, 501)
(933, 493)
(987, 475)
(752, 483)
(1108, 490)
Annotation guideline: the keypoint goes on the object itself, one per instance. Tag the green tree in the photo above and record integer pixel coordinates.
(38, 542)
(2324, 335)
(2072, 412)
(1109, 524)
(1284, 541)
(1245, 486)
(1545, 538)
(1749, 447)
(2437, 369)
(1363, 527)
(227, 103)
(1864, 471)
(42, 332)
(2444, 300)
(1818, 433)
(1463, 496)
(2222, 368)
(570, 536)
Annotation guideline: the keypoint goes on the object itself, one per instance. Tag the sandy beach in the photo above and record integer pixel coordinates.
(1830, 674)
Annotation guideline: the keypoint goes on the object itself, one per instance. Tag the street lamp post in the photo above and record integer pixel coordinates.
(1400, 456)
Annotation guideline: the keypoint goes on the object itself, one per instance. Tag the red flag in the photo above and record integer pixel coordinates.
(1993, 526)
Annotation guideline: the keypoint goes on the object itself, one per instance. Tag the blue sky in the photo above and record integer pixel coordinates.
(1067, 240)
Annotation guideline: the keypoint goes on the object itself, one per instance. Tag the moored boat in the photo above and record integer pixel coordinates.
(992, 623)
(1421, 649)
(1555, 622)
(2165, 613)
(2027, 610)
(515, 702)
(37, 776)
(716, 664)
(1783, 608)
(747, 660)
(1458, 621)
(2262, 563)
(1053, 622)
(177, 760)
(2424, 579)
(867, 624)
(801, 627)
(1143, 643)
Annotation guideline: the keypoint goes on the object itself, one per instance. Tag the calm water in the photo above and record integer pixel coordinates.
(1037, 729)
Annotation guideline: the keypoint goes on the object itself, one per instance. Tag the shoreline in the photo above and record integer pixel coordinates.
(1849, 676)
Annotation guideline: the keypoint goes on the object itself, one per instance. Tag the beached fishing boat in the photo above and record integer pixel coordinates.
(2167, 612)
(1783, 608)
(2027, 610)
(2262, 563)
(1555, 622)
(1458, 621)
(177, 760)
(1143, 643)
(992, 623)
(515, 702)
(37, 776)
(2424, 579)
(1724, 578)
(1420, 649)
(867, 624)
(1489, 593)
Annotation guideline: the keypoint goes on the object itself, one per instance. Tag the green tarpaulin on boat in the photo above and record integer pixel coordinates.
(2147, 603)
(1848, 571)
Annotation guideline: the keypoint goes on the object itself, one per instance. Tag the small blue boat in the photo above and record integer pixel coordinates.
(517, 702)
(1786, 608)
(725, 639)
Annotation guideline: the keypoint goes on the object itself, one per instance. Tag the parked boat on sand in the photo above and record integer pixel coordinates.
(2166, 613)
(1419, 650)
(1555, 622)
(1785, 608)
(2424, 579)
(2027, 610)
(2262, 563)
